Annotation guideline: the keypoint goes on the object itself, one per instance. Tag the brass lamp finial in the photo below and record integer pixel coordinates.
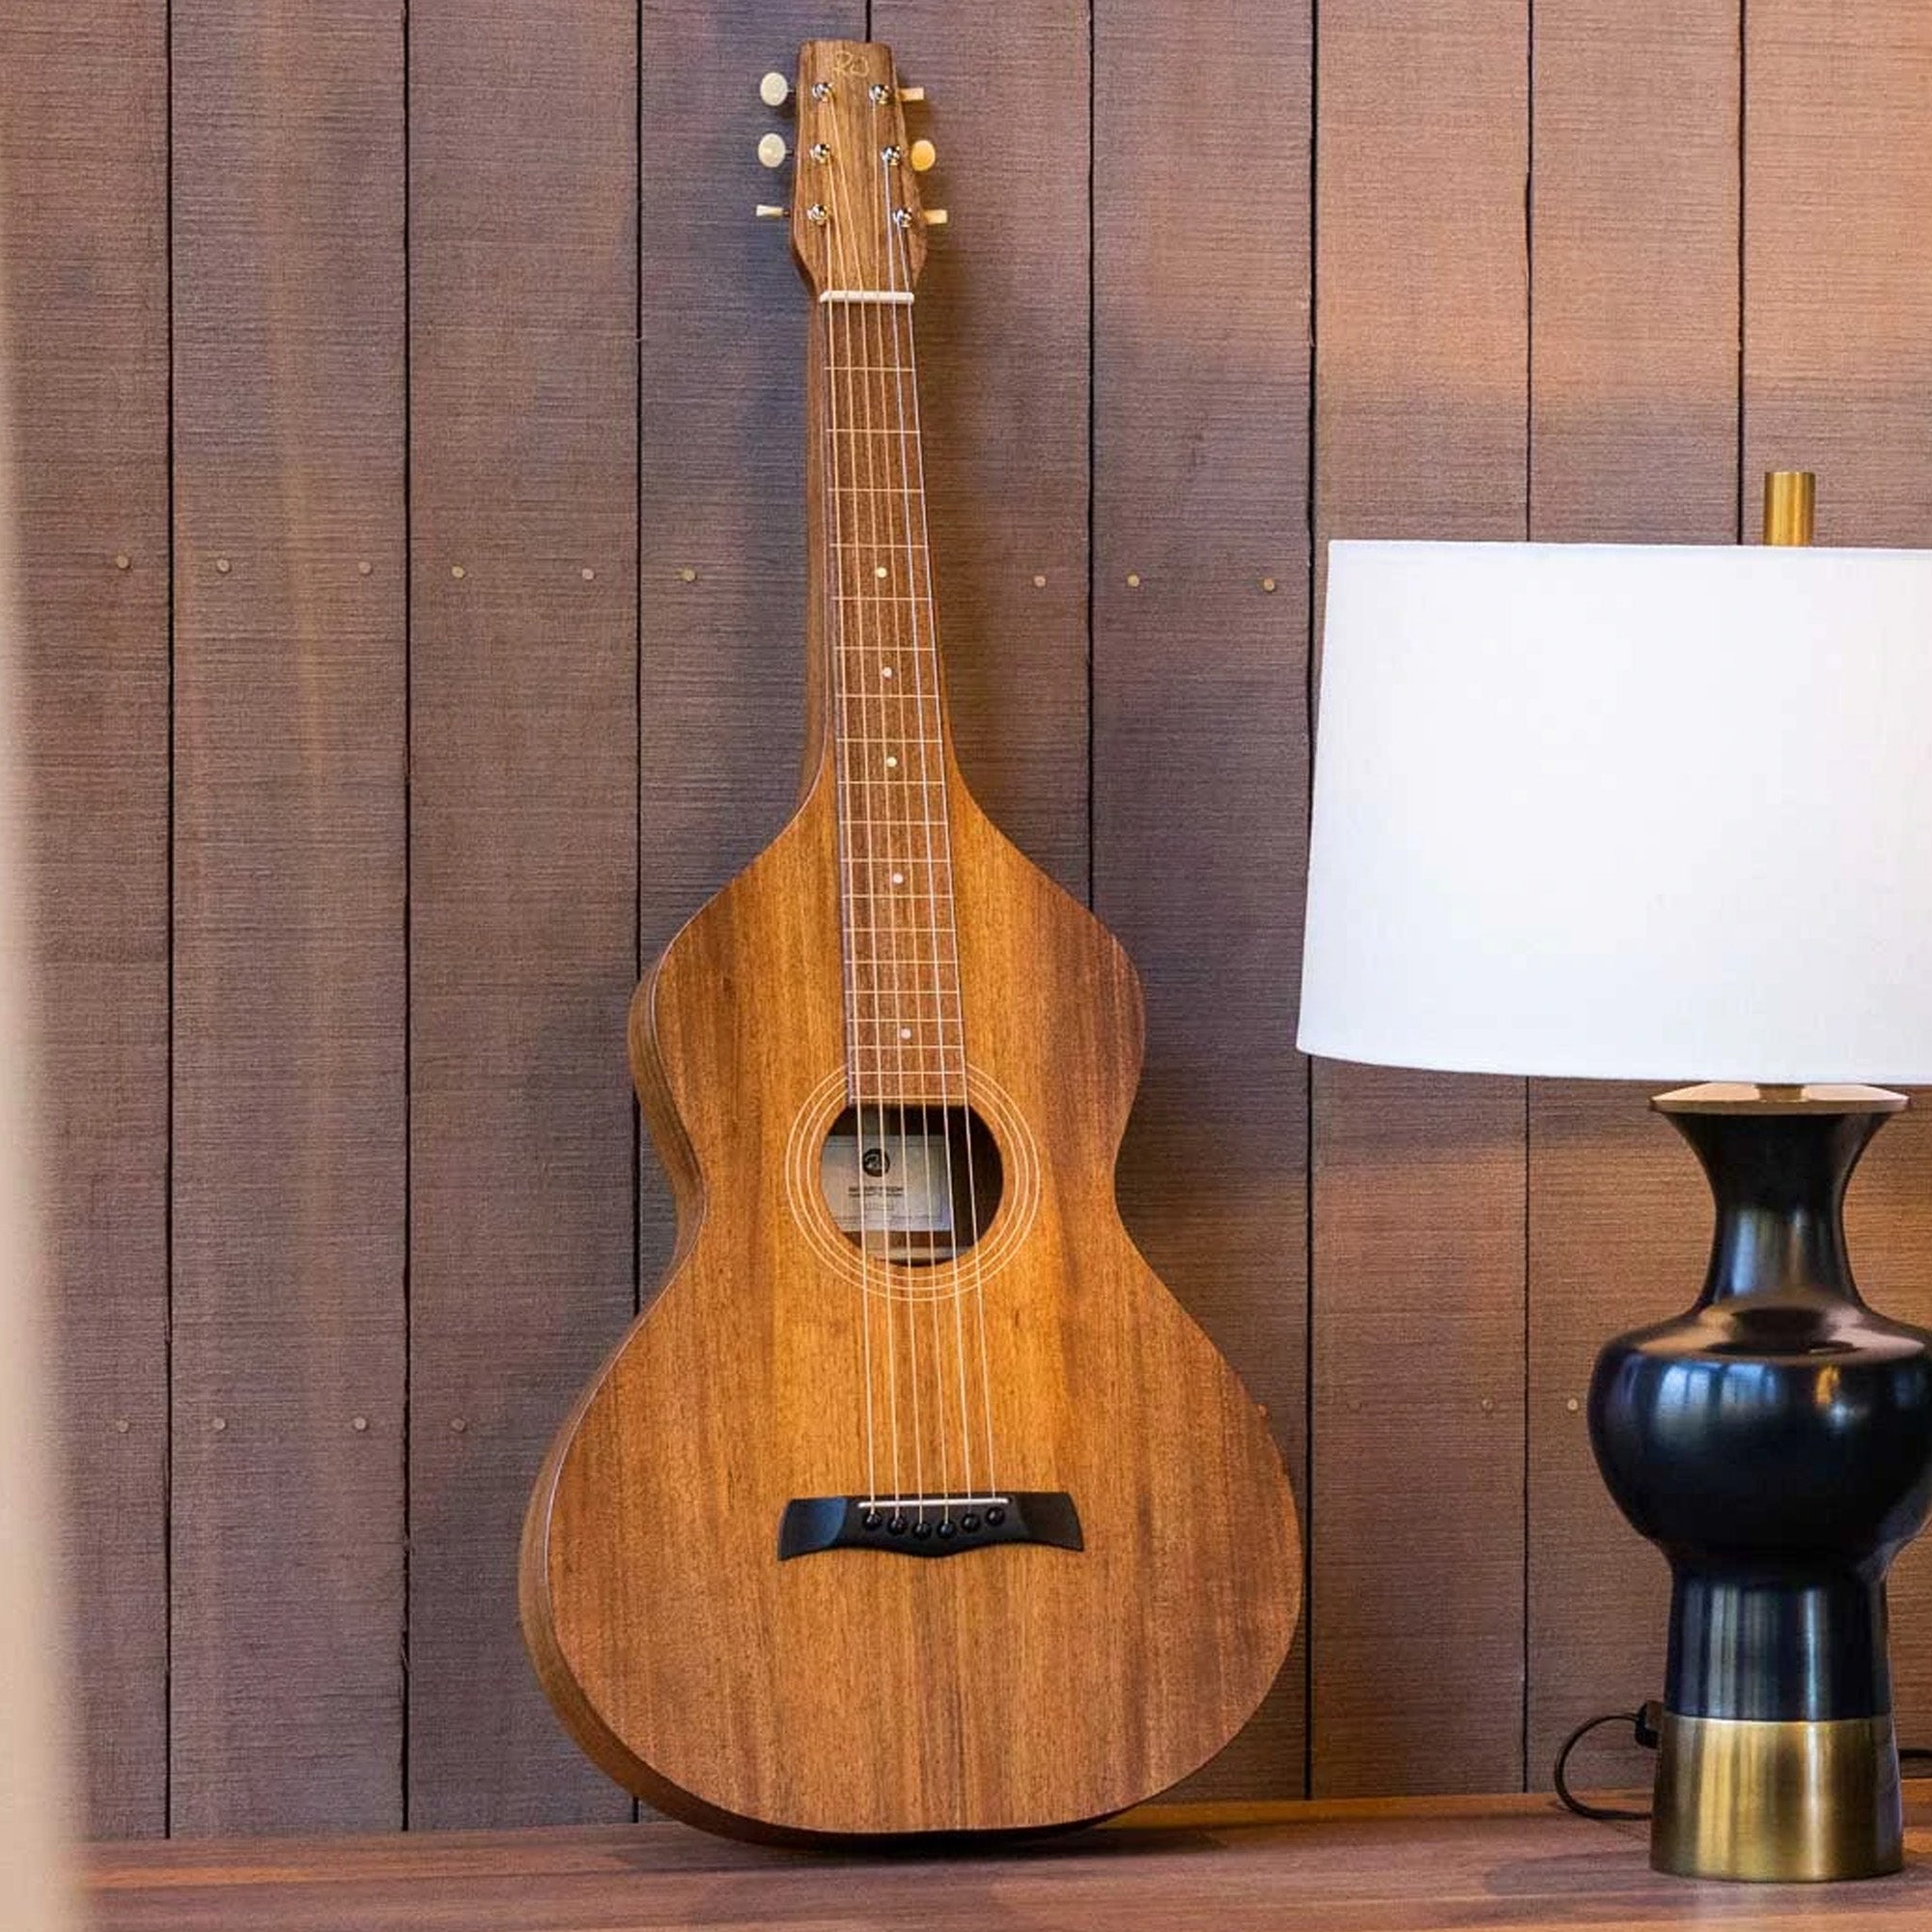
(1790, 497)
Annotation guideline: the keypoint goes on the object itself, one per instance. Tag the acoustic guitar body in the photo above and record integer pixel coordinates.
(914, 1505)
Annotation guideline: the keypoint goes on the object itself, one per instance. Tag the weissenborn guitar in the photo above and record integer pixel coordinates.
(916, 1503)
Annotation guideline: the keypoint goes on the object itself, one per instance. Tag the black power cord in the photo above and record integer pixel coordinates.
(1645, 1724)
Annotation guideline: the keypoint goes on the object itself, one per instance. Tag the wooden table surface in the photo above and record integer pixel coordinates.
(1372, 1866)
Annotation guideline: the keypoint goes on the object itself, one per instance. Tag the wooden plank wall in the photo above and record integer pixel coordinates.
(408, 420)
(524, 840)
(84, 289)
(289, 1163)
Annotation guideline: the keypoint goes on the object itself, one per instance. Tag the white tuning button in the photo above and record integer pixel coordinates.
(936, 217)
(912, 96)
(774, 90)
(768, 211)
(772, 151)
(922, 155)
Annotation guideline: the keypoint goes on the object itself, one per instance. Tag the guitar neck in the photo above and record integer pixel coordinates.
(882, 703)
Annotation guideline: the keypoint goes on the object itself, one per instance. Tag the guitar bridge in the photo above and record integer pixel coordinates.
(928, 1525)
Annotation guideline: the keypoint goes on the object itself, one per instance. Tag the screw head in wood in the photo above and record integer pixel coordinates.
(588, 574)
(222, 565)
(1268, 583)
(121, 560)
(688, 574)
(363, 568)
(1039, 581)
(1134, 580)
(358, 1423)
(457, 571)
(218, 1424)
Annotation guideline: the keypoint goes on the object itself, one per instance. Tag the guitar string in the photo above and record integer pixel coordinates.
(902, 242)
(882, 759)
(836, 668)
(907, 620)
(902, 328)
(865, 784)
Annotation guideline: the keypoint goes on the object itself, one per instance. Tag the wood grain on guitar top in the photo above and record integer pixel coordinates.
(858, 1691)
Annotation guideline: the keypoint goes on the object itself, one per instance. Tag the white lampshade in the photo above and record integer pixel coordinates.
(1636, 812)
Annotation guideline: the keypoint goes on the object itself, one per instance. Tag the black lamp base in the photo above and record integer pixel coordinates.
(1777, 1443)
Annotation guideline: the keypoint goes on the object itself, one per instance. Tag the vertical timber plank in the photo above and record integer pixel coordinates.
(1420, 277)
(524, 685)
(1634, 389)
(1837, 349)
(723, 317)
(83, 163)
(1200, 741)
(287, 1519)
(1003, 391)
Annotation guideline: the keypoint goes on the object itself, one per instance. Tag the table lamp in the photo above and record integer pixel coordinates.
(1661, 813)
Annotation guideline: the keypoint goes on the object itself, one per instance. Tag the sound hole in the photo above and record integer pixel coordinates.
(912, 1184)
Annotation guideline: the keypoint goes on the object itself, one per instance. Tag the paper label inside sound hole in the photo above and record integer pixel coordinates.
(891, 1189)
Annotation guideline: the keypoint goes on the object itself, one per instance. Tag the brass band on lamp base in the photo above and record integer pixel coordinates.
(1792, 1800)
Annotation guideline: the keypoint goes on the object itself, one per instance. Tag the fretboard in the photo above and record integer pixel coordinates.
(904, 1018)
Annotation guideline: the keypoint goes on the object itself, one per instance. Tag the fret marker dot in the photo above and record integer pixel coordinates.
(879, 569)
(885, 671)
(891, 763)
(904, 1032)
(898, 879)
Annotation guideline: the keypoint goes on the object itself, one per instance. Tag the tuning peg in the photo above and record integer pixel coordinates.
(911, 96)
(936, 217)
(922, 155)
(774, 90)
(768, 211)
(772, 151)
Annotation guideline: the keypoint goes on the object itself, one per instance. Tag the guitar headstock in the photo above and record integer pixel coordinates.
(858, 226)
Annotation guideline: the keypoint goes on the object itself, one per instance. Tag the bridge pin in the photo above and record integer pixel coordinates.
(895, 1526)
(922, 1530)
(872, 1519)
(969, 1522)
(996, 1516)
(948, 1529)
